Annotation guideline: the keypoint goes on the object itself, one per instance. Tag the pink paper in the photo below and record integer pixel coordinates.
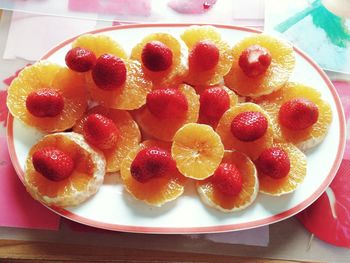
(17, 207)
(30, 40)
(115, 7)
(191, 6)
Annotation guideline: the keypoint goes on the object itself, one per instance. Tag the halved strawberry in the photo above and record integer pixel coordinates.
(254, 60)
(204, 55)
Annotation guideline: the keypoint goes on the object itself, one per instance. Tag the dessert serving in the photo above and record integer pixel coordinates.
(171, 115)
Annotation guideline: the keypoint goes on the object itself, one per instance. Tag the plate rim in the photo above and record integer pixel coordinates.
(196, 230)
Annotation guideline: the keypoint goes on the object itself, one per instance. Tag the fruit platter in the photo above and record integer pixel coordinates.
(175, 129)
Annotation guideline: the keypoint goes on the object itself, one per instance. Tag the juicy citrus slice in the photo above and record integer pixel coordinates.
(175, 74)
(100, 44)
(233, 102)
(309, 137)
(129, 135)
(85, 180)
(165, 129)
(157, 191)
(253, 148)
(295, 177)
(277, 74)
(211, 196)
(131, 95)
(191, 37)
(46, 75)
(197, 150)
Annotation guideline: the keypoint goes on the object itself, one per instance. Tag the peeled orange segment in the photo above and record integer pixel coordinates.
(295, 177)
(157, 191)
(165, 129)
(191, 37)
(46, 75)
(131, 95)
(129, 135)
(85, 180)
(277, 74)
(175, 74)
(100, 44)
(212, 197)
(253, 148)
(197, 150)
(303, 139)
(233, 102)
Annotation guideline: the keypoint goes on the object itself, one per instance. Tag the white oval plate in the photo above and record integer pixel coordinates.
(114, 209)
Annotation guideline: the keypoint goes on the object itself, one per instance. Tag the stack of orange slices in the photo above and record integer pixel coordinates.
(178, 109)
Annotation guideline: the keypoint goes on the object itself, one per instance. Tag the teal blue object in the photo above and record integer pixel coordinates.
(332, 25)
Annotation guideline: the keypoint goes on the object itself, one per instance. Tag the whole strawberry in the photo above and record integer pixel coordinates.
(204, 55)
(151, 162)
(227, 179)
(100, 131)
(249, 126)
(156, 56)
(109, 72)
(298, 114)
(167, 103)
(80, 59)
(213, 103)
(53, 163)
(45, 103)
(273, 162)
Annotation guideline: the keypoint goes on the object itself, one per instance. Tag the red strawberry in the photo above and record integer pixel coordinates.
(156, 56)
(53, 163)
(214, 102)
(80, 59)
(45, 103)
(100, 131)
(151, 162)
(273, 162)
(249, 126)
(109, 72)
(204, 55)
(227, 179)
(298, 114)
(167, 103)
(254, 60)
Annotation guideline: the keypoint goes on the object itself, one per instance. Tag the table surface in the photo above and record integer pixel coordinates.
(288, 240)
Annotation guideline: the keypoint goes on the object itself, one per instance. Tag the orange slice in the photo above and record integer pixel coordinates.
(157, 191)
(175, 74)
(46, 75)
(233, 102)
(192, 36)
(253, 148)
(304, 139)
(131, 95)
(212, 197)
(85, 180)
(100, 44)
(295, 177)
(277, 74)
(197, 150)
(129, 135)
(165, 129)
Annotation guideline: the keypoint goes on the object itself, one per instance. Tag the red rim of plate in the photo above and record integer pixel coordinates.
(210, 229)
